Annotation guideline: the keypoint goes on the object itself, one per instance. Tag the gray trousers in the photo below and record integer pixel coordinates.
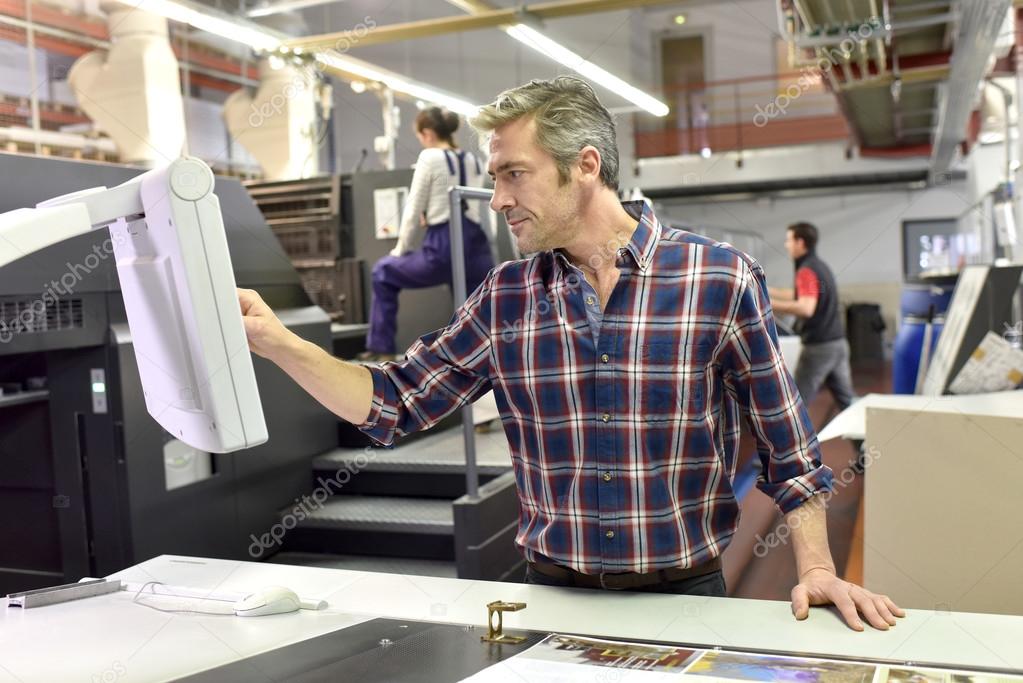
(825, 364)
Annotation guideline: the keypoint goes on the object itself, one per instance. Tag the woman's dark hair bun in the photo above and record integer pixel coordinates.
(441, 121)
(451, 121)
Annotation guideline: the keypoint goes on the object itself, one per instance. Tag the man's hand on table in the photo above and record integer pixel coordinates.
(822, 587)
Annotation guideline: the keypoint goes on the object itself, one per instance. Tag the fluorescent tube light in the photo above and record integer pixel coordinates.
(561, 54)
(395, 82)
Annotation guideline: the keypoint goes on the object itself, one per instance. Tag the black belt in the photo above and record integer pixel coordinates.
(624, 580)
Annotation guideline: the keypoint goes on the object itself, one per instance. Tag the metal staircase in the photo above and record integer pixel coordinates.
(395, 509)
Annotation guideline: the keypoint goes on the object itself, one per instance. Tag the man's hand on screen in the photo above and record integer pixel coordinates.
(266, 334)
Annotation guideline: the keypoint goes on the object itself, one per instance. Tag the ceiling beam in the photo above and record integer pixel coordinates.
(490, 18)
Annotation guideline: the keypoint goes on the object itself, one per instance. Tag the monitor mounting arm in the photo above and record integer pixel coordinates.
(25, 231)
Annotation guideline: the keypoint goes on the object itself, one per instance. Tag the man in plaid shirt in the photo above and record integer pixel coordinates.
(621, 355)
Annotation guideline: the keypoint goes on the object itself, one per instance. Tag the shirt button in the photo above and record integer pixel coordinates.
(605, 417)
(610, 534)
(607, 476)
(605, 358)
(590, 300)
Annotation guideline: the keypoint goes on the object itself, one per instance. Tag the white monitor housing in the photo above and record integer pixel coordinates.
(179, 296)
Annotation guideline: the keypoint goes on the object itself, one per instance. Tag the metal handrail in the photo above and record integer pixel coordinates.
(456, 195)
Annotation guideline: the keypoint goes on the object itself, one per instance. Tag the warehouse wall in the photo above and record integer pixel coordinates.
(479, 64)
(476, 65)
(861, 234)
(739, 37)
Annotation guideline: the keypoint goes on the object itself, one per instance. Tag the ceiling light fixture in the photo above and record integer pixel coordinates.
(395, 82)
(561, 54)
(268, 9)
(532, 38)
(211, 23)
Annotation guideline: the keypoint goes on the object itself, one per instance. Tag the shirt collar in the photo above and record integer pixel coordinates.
(644, 238)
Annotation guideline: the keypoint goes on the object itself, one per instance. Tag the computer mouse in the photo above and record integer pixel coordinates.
(270, 600)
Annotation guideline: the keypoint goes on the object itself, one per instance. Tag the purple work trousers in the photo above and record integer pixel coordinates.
(428, 266)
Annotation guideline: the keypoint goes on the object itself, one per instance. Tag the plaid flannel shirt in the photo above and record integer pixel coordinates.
(624, 450)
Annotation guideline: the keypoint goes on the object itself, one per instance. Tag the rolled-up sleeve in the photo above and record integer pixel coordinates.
(755, 375)
(442, 371)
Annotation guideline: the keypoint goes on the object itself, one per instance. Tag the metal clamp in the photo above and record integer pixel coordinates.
(496, 634)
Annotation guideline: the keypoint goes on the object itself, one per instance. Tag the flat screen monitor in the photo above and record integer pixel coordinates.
(179, 294)
(937, 246)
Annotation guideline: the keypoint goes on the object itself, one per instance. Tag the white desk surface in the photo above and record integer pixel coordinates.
(851, 423)
(109, 638)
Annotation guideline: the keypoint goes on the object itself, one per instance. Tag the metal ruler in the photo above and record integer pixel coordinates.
(65, 593)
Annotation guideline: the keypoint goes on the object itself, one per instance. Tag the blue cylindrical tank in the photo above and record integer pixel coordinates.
(909, 343)
(917, 299)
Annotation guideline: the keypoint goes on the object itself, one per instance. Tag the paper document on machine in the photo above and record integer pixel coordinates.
(572, 659)
(994, 366)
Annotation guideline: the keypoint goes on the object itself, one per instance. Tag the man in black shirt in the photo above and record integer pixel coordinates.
(814, 301)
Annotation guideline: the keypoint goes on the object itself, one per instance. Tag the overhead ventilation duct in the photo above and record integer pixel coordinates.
(278, 124)
(132, 92)
(977, 34)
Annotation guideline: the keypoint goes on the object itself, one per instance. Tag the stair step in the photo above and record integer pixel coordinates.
(440, 453)
(383, 514)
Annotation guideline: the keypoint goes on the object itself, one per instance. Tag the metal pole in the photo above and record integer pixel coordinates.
(455, 196)
(33, 73)
(391, 126)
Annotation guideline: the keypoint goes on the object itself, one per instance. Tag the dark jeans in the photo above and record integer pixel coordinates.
(712, 584)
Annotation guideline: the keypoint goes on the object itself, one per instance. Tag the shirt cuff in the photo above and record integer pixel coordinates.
(380, 422)
(791, 493)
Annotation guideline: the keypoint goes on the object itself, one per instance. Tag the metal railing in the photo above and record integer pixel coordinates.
(771, 110)
(456, 195)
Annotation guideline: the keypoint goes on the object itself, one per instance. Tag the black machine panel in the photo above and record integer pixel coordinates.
(82, 464)
(377, 651)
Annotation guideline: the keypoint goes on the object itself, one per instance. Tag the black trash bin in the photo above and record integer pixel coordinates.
(864, 327)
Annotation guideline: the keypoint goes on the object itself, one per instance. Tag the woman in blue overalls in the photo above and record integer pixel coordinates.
(441, 165)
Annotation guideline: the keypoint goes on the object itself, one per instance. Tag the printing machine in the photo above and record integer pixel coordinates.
(89, 482)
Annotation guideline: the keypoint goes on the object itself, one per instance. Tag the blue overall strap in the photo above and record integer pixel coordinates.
(461, 171)
(461, 167)
(461, 164)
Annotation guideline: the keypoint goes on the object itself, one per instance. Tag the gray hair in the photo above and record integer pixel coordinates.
(568, 117)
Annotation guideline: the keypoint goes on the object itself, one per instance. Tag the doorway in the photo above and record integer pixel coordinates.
(682, 74)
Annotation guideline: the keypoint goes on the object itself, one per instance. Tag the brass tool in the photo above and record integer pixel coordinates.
(496, 634)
